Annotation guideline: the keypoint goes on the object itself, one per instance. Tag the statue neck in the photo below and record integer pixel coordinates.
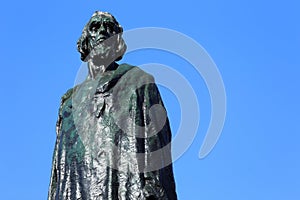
(95, 70)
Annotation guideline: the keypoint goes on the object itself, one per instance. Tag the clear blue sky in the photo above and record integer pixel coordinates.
(255, 45)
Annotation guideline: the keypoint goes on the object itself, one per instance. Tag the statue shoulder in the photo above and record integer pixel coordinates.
(67, 95)
(137, 74)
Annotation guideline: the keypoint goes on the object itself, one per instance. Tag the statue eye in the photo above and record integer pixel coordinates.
(95, 26)
(108, 25)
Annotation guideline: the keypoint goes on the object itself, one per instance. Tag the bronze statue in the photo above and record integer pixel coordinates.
(113, 135)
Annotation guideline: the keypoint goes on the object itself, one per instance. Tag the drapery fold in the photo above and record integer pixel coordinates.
(109, 142)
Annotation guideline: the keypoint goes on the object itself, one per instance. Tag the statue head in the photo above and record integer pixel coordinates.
(101, 41)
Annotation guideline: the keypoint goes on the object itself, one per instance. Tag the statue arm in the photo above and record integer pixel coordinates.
(157, 137)
(164, 137)
(54, 170)
(53, 179)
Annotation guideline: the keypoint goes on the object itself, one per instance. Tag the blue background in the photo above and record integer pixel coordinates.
(255, 45)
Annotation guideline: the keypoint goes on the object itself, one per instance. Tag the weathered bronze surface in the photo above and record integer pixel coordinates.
(109, 142)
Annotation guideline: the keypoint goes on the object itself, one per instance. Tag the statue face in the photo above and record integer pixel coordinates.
(102, 36)
(101, 40)
(101, 27)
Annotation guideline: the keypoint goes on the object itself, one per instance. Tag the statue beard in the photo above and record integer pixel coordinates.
(104, 53)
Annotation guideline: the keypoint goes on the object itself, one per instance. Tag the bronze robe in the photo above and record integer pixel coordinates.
(105, 140)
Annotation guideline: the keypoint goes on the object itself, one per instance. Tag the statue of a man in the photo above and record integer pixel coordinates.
(113, 135)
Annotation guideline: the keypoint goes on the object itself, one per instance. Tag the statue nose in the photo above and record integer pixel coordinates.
(102, 29)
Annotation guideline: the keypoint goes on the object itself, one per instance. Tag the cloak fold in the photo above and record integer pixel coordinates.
(113, 140)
